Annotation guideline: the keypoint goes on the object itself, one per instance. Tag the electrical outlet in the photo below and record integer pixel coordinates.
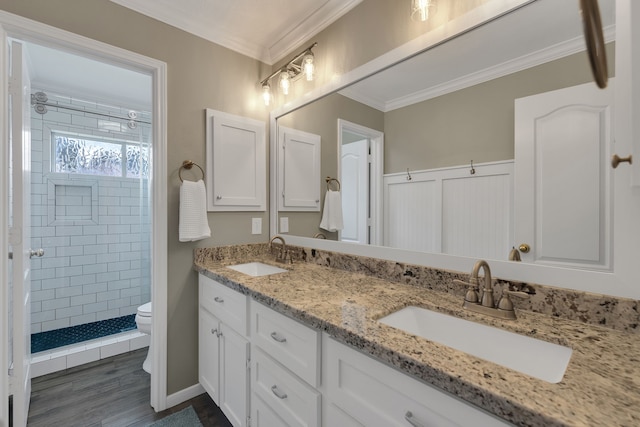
(256, 225)
(284, 224)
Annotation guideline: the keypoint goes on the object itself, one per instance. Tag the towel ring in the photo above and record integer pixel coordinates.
(329, 179)
(188, 164)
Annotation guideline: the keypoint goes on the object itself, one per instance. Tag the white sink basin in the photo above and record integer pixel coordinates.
(534, 357)
(256, 269)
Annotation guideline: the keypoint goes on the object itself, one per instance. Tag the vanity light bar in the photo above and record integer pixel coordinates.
(302, 63)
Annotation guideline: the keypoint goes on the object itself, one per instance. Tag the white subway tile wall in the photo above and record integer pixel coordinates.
(95, 230)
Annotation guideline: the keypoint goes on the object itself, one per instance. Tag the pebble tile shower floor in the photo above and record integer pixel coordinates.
(75, 334)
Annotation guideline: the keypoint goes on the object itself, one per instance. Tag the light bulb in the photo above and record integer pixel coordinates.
(307, 66)
(266, 94)
(285, 82)
(420, 9)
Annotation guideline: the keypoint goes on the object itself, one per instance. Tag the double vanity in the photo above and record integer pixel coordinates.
(332, 339)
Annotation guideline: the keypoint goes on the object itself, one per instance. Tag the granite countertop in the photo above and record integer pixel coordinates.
(601, 386)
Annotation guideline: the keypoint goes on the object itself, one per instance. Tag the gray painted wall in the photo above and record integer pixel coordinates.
(203, 75)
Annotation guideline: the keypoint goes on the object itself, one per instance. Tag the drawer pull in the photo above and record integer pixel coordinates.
(218, 299)
(214, 331)
(276, 336)
(411, 420)
(278, 393)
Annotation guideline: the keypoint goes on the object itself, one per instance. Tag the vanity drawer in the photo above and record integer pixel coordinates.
(375, 394)
(292, 344)
(229, 306)
(293, 400)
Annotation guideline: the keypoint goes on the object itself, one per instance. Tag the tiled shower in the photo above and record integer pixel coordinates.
(91, 215)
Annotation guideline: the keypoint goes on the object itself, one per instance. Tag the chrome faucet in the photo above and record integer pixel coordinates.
(486, 304)
(284, 255)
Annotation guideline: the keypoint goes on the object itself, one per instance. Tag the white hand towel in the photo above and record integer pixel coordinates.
(194, 224)
(332, 212)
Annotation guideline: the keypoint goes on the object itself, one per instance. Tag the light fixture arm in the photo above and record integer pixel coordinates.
(294, 66)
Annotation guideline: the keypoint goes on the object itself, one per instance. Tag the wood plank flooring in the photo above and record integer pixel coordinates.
(112, 392)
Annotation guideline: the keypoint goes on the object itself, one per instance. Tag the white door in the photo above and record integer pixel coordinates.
(19, 233)
(209, 354)
(563, 178)
(350, 132)
(234, 376)
(354, 178)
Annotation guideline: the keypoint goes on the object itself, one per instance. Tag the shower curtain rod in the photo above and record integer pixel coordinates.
(37, 103)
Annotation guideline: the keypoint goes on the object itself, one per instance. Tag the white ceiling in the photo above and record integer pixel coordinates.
(72, 75)
(264, 30)
(539, 32)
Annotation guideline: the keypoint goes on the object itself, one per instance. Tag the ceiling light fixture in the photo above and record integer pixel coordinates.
(421, 9)
(302, 63)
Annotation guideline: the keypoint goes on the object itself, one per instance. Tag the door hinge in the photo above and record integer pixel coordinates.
(248, 364)
(248, 421)
(13, 86)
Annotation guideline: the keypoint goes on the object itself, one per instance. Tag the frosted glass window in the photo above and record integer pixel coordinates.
(90, 156)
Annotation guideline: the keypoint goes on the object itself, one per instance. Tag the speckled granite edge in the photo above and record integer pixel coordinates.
(620, 314)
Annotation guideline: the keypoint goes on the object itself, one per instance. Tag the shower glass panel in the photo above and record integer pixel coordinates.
(91, 215)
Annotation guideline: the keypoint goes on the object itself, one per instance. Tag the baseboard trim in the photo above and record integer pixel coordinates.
(184, 395)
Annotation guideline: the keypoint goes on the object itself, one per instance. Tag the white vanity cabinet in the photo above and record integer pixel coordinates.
(364, 392)
(223, 350)
(285, 370)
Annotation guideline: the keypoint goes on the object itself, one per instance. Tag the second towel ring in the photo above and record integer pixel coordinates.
(329, 179)
(188, 164)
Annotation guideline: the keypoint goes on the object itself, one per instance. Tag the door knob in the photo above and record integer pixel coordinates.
(37, 253)
(524, 248)
(616, 160)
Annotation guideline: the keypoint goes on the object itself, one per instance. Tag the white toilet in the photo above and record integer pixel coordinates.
(143, 321)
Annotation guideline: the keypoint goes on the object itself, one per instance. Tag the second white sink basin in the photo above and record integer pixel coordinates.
(534, 357)
(257, 269)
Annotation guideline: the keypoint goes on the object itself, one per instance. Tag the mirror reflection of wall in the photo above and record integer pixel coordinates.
(320, 118)
(448, 131)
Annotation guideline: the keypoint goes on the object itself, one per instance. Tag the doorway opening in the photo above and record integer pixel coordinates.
(124, 143)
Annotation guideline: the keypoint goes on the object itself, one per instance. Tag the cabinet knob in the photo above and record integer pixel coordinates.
(218, 197)
(524, 248)
(616, 160)
(214, 331)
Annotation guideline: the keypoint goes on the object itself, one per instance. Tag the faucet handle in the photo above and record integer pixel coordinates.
(519, 294)
(505, 302)
(472, 291)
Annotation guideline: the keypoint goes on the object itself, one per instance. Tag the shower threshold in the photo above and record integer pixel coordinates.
(43, 341)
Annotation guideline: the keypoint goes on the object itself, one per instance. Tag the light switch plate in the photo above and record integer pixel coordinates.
(256, 225)
(284, 224)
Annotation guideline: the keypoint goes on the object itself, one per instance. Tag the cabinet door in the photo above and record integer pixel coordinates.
(236, 163)
(234, 376)
(298, 170)
(208, 354)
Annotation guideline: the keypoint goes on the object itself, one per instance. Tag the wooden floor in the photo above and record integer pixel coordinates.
(111, 392)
